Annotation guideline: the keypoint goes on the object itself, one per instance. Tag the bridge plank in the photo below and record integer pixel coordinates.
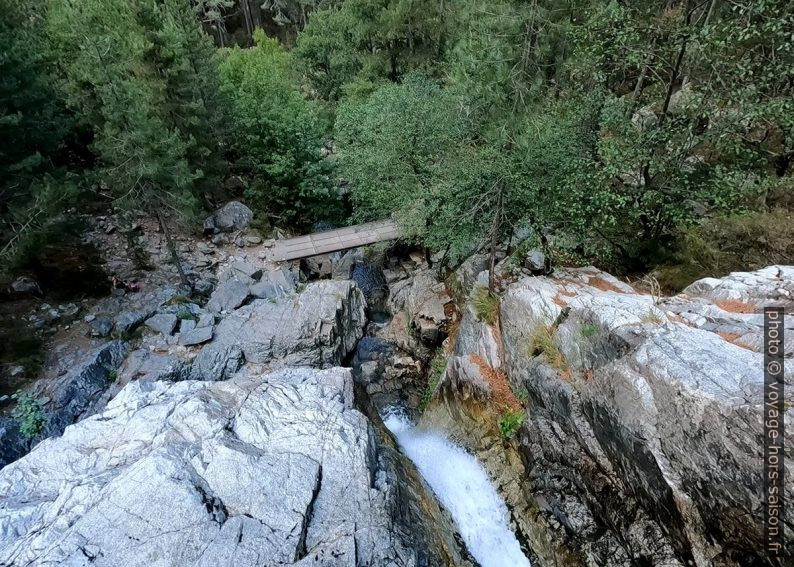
(333, 240)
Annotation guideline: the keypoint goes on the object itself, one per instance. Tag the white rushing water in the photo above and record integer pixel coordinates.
(462, 486)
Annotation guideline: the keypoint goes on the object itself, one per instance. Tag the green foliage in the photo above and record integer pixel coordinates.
(588, 330)
(510, 422)
(351, 46)
(141, 77)
(29, 414)
(610, 129)
(727, 244)
(34, 126)
(278, 136)
(437, 366)
(390, 148)
(486, 305)
(522, 395)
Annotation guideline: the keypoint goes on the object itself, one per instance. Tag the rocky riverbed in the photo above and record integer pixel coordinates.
(242, 426)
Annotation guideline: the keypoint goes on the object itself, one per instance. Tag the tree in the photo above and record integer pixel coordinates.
(392, 148)
(355, 45)
(140, 75)
(409, 150)
(278, 137)
(34, 126)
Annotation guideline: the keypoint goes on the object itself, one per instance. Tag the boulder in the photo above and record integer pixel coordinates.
(100, 326)
(266, 290)
(241, 472)
(187, 325)
(163, 323)
(228, 296)
(276, 283)
(217, 362)
(127, 321)
(424, 299)
(205, 320)
(342, 268)
(74, 395)
(25, 285)
(231, 217)
(535, 261)
(469, 270)
(319, 327)
(319, 267)
(196, 336)
(249, 270)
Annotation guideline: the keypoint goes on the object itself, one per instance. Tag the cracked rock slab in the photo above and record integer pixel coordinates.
(270, 470)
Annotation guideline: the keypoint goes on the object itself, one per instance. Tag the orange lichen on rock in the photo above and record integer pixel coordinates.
(734, 339)
(600, 283)
(503, 394)
(678, 319)
(735, 306)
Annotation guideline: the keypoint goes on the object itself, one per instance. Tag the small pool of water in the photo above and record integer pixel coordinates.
(463, 488)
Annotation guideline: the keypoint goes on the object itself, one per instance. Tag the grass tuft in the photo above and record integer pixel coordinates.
(542, 342)
(486, 305)
(651, 317)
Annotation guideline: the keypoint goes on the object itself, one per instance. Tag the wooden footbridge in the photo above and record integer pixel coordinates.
(333, 240)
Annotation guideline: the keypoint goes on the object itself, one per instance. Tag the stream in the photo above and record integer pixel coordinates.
(463, 488)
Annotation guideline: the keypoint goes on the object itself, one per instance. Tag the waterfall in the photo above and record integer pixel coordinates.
(463, 488)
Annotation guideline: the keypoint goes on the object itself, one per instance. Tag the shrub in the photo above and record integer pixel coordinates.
(280, 134)
(731, 243)
(486, 305)
(510, 422)
(588, 330)
(437, 366)
(522, 395)
(29, 414)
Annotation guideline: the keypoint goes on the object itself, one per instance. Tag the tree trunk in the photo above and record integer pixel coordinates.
(640, 80)
(247, 16)
(174, 255)
(497, 221)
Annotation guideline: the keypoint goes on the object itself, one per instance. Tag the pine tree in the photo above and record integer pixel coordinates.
(33, 125)
(141, 75)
